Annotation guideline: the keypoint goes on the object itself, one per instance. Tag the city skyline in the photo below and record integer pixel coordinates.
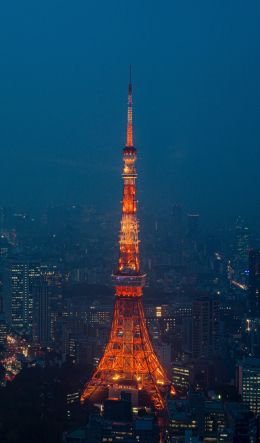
(130, 316)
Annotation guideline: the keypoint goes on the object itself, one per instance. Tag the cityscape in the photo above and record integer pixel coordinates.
(129, 320)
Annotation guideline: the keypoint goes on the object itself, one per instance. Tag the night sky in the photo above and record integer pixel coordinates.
(63, 94)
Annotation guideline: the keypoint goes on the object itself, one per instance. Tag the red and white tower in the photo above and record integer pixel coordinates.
(129, 361)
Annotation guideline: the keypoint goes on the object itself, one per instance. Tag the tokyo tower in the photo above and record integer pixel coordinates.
(129, 362)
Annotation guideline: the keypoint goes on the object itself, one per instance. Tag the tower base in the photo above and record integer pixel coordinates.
(129, 362)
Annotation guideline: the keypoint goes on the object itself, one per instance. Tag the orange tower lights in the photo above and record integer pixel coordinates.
(129, 360)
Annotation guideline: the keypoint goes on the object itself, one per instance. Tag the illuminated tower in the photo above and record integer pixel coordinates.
(129, 361)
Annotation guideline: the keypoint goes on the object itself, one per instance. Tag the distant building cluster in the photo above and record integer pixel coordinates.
(202, 308)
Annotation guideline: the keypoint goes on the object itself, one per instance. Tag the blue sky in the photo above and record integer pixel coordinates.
(63, 92)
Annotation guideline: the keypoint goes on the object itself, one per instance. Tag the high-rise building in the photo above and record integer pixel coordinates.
(252, 334)
(205, 326)
(27, 282)
(53, 278)
(5, 293)
(248, 383)
(41, 312)
(215, 422)
(181, 376)
(129, 362)
(254, 282)
(23, 276)
(241, 250)
(3, 328)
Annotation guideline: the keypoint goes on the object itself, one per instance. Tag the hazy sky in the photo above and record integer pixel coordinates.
(63, 92)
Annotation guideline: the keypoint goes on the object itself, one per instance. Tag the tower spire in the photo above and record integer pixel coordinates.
(129, 133)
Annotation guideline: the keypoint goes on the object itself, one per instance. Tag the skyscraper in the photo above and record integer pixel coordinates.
(41, 312)
(53, 278)
(205, 326)
(241, 250)
(248, 383)
(3, 329)
(129, 362)
(22, 277)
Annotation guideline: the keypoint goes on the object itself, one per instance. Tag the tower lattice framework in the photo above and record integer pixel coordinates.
(129, 359)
